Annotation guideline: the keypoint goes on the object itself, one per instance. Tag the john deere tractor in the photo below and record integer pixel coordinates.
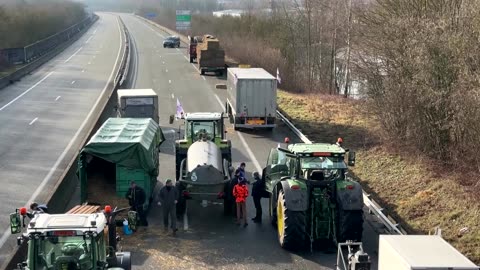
(203, 160)
(312, 198)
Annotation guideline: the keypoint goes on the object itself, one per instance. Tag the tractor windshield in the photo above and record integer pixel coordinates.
(61, 252)
(204, 129)
(321, 163)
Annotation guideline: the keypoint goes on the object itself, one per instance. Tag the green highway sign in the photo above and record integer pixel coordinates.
(183, 19)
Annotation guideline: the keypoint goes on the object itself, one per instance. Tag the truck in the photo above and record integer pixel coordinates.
(210, 56)
(192, 47)
(123, 149)
(252, 98)
(312, 198)
(83, 238)
(137, 103)
(203, 160)
(405, 252)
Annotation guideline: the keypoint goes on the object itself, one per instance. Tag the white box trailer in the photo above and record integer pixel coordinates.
(252, 98)
(420, 252)
(138, 103)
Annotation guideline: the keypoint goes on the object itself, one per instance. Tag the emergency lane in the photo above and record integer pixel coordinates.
(44, 118)
(223, 244)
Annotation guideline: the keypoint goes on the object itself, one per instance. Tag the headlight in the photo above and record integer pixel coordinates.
(194, 177)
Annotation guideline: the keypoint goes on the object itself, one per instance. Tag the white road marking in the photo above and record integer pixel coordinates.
(57, 98)
(177, 49)
(33, 121)
(163, 62)
(195, 67)
(75, 53)
(26, 91)
(166, 70)
(169, 81)
(88, 40)
(242, 139)
(94, 56)
(73, 82)
(203, 77)
(186, 58)
(40, 187)
(83, 70)
(173, 96)
(94, 32)
(89, 63)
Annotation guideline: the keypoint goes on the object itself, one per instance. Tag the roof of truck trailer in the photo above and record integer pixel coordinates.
(135, 92)
(251, 73)
(426, 251)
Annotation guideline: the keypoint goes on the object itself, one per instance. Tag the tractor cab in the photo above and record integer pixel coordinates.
(317, 162)
(203, 126)
(69, 241)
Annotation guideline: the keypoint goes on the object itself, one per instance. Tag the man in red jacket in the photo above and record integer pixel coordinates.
(240, 191)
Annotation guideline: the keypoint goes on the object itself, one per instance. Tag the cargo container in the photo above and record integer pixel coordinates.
(415, 252)
(122, 150)
(138, 103)
(252, 98)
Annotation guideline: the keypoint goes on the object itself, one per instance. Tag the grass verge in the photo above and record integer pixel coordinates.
(420, 193)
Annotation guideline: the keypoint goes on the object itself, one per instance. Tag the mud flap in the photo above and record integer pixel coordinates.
(350, 199)
(295, 200)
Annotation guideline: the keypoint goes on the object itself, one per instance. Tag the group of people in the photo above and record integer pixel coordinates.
(240, 193)
(169, 194)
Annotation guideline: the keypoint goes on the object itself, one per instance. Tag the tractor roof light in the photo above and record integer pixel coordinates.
(23, 211)
(108, 209)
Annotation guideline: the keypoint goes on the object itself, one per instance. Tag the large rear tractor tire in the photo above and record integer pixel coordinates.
(350, 225)
(291, 226)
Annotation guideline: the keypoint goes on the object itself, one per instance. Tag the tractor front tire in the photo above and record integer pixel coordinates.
(291, 226)
(350, 225)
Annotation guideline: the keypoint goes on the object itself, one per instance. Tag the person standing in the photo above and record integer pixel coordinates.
(258, 192)
(240, 191)
(136, 198)
(168, 198)
(240, 172)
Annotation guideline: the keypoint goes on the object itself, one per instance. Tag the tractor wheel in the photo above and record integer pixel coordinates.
(291, 226)
(181, 206)
(273, 212)
(350, 225)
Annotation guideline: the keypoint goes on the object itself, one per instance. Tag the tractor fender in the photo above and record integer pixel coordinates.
(295, 200)
(350, 199)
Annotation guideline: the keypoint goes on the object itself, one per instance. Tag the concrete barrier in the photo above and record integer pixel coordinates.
(67, 183)
(26, 69)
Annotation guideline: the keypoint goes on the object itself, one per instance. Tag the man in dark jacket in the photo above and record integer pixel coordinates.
(136, 198)
(168, 198)
(258, 192)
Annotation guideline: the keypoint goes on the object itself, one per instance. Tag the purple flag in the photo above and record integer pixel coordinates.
(180, 113)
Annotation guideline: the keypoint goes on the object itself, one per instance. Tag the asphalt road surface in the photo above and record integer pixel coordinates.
(211, 241)
(44, 118)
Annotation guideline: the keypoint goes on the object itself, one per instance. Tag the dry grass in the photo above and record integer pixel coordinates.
(421, 193)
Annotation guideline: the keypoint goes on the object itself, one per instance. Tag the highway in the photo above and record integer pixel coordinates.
(45, 116)
(211, 241)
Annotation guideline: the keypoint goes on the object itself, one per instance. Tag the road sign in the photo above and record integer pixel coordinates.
(183, 19)
(151, 15)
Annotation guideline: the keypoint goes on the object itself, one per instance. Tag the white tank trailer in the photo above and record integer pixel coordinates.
(204, 172)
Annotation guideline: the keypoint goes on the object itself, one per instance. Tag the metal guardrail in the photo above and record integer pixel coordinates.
(392, 226)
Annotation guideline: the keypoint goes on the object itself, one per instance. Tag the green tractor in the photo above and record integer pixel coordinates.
(312, 198)
(203, 160)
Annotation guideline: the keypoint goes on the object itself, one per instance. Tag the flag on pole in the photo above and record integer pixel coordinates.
(180, 113)
(279, 80)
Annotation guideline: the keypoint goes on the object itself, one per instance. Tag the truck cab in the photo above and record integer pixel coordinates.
(137, 103)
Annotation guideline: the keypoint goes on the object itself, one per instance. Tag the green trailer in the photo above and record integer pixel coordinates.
(123, 149)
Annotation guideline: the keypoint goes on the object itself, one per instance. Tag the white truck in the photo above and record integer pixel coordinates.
(137, 103)
(252, 98)
(405, 252)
